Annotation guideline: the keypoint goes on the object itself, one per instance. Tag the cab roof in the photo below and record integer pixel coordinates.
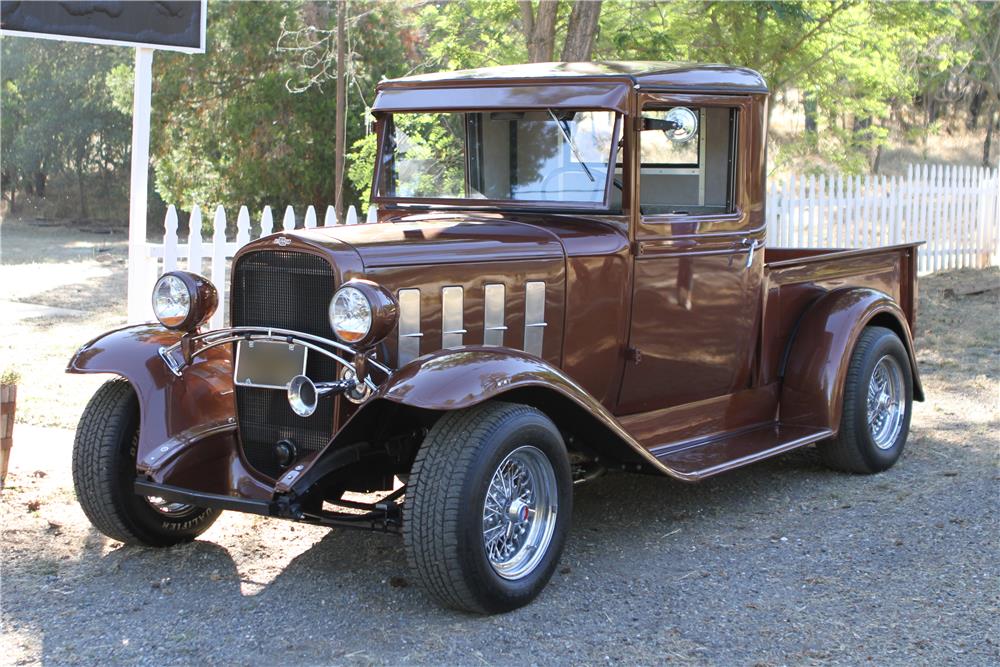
(646, 74)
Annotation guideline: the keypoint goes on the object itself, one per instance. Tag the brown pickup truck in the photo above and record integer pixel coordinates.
(569, 276)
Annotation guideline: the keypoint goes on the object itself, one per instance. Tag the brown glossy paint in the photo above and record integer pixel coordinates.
(661, 342)
(186, 434)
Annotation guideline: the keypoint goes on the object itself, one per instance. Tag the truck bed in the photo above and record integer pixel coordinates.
(794, 278)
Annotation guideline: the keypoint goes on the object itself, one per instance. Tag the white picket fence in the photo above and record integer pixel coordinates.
(956, 210)
(167, 256)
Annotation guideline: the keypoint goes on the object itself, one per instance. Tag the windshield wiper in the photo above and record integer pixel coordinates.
(572, 144)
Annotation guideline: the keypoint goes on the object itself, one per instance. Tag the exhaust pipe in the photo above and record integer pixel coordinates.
(304, 394)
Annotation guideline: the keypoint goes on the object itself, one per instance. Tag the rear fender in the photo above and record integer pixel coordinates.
(818, 357)
(456, 379)
(176, 412)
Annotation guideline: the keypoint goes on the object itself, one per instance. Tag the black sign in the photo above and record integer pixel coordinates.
(175, 26)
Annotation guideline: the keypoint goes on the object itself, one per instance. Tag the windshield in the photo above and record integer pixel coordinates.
(548, 155)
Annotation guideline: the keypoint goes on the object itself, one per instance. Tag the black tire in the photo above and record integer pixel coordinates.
(104, 452)
(443, 516)
(854, 449)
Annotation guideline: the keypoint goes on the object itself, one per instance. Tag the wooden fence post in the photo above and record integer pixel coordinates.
(170, 240)
(310, 221)
(288, 223)
(330, 219)
(194, 240)
(242, 227)
(219, 265)
(8, 406)
(266, 222)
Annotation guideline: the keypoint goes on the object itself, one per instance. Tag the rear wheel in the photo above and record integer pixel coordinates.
(878, 399)
(104, 455)
(488, 507)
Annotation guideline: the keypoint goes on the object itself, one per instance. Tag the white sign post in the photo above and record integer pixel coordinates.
(139, 305)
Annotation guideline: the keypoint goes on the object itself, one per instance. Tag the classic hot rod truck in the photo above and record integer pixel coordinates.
(569, 274)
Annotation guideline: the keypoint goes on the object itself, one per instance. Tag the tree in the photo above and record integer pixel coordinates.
(981, 39)
(582, 30)
(539, 28)
(59, 117)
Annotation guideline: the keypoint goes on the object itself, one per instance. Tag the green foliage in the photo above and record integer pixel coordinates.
(361, 167)
(470, 33)
(228, 129)
(9, 376)
(58, 116)
(858, 60)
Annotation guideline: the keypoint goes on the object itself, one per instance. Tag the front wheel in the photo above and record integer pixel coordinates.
(104, 454)
(878, 399)
(488, 507)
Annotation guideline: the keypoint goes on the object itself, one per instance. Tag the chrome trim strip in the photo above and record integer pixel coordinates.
(702, 167)
(534, 317)
(494, 297)
(408, 346)
(236, 334)
(270, 333)
(452, 305)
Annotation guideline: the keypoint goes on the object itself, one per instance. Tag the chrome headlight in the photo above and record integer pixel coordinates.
(183, 300)
(362, 313)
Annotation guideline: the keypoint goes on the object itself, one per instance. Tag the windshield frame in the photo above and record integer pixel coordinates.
(382, 124)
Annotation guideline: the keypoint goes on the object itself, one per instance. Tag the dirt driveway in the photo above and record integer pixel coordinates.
(780, 563)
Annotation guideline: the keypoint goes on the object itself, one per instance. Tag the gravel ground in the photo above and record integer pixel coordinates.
(780, 563)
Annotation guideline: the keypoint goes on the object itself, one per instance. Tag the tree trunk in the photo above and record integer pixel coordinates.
(988, 144)
(316, 14)
(12, 181)
(340, 134)
(582, 30)
(81, 188)
(975, 107)
(539, 29)
(809, 109)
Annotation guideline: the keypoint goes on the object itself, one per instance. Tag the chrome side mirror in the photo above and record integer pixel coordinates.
(680, 125)
(685, 124)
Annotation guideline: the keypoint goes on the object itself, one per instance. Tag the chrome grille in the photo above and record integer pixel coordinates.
(287, 290)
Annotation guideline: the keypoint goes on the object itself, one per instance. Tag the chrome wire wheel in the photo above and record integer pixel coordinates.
(886, 402)
(519, 512)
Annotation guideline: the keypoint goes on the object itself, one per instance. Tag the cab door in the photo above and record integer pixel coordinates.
(698, 261)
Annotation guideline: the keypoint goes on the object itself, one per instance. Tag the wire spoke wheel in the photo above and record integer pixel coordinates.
(519, 512)
(886, 405)
(168, 508)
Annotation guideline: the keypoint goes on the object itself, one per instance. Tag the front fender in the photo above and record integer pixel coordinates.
(456, 379)
(175, 412)
(818, 357)
(460, 378)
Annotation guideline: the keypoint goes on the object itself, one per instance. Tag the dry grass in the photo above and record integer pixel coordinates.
(65, 268)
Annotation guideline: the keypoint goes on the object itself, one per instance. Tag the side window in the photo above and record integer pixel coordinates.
(695, 177)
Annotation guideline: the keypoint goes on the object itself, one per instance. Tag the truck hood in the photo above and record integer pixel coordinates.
(437, 239)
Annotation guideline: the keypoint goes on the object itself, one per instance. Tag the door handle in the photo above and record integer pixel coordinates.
(751, 246)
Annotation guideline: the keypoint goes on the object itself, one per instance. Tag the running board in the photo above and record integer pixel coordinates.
(704, 458)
